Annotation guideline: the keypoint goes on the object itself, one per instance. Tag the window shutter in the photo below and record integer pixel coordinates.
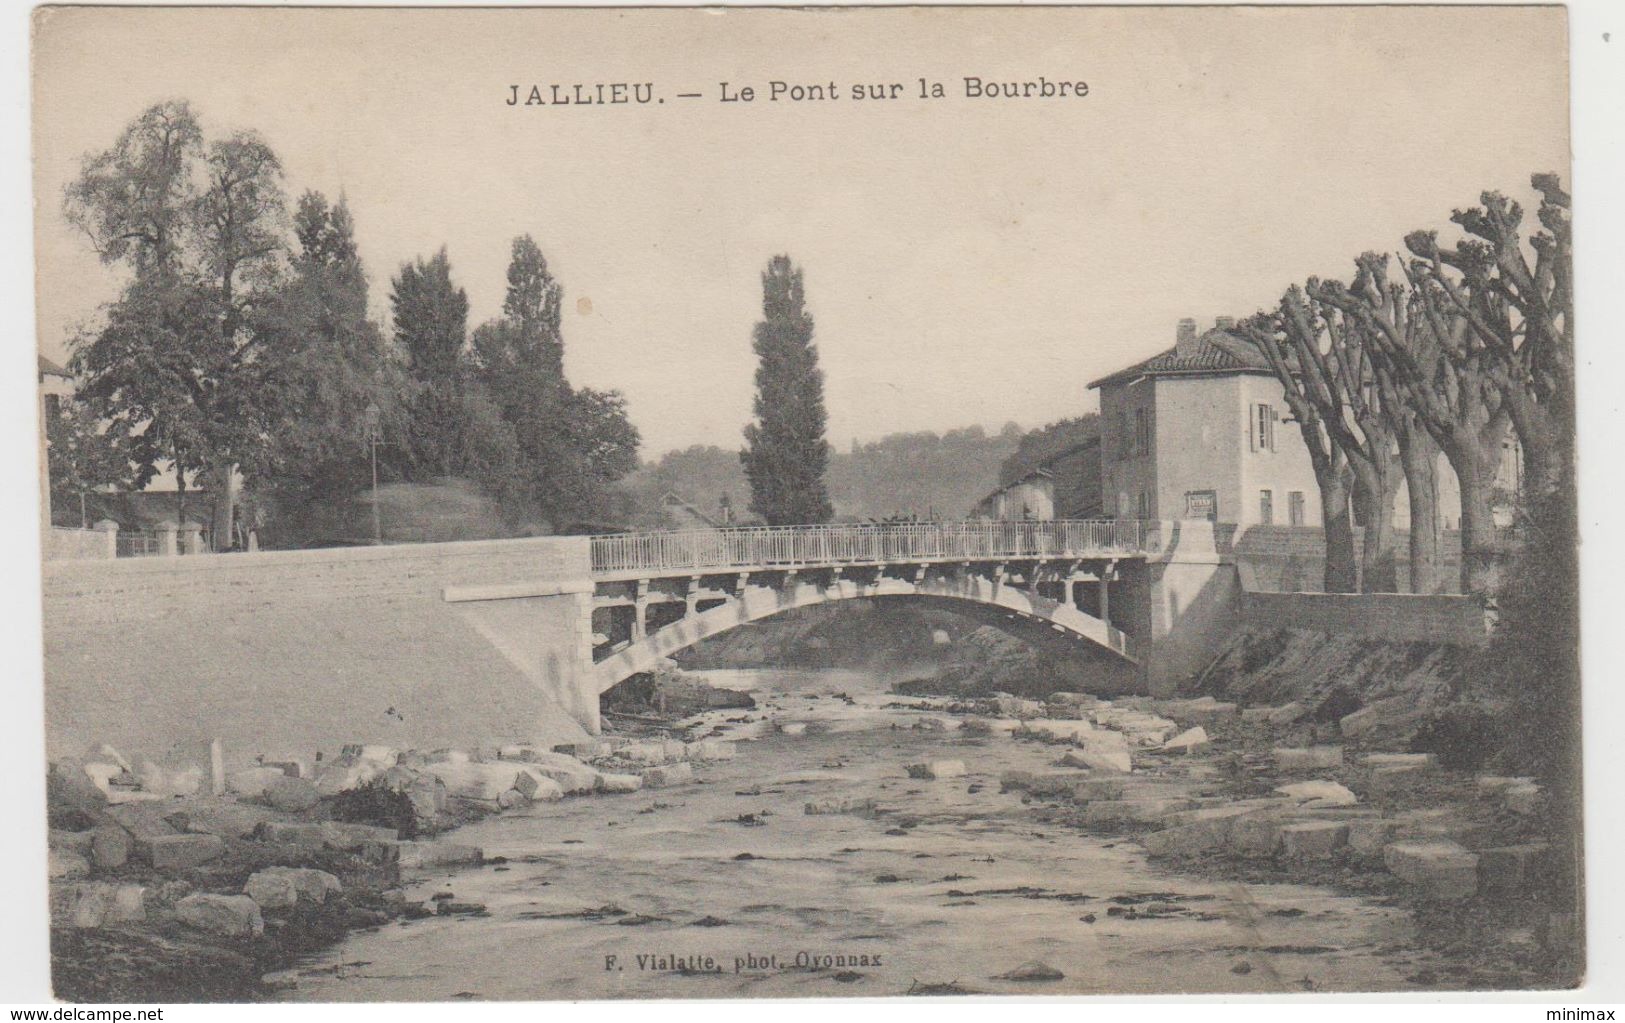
(1252, 427)
(1275, 417)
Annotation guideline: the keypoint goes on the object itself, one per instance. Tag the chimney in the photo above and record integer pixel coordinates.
(1225, 323)
(1185, 339)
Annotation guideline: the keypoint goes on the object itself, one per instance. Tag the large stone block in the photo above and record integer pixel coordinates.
(479, 782)
(667, 775)
(1091, 789)
(1131, 811)
(1318, 794)
(231, 916)
(569, 775)
(619, 783)
(1312, 758)
(291, 795)
(1369, 836)
(1255, 835)
(429, 855)
(110, 847)
(1313, 840)
(283, 887)
(62, 864)
(101, 904)
(182, 852)
(1444, 870)
(253, 782)
(1118, 762)
(1188, 740)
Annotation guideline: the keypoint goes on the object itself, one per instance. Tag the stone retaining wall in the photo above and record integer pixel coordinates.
(304, 650)
(1441, 618)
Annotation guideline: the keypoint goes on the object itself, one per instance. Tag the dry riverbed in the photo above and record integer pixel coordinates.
(857, 843)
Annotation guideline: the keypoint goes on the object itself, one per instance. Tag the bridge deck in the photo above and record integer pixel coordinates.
(627, 555)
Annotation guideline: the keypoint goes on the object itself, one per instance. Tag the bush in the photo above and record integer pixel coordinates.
(1463, 736)
(378, 804)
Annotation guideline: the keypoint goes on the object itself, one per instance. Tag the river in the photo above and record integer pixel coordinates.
(952, 882)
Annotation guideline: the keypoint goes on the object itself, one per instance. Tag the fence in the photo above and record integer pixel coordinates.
(139, 545)
(789, 546)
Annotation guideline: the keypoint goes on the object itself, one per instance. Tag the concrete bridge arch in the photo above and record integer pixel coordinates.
(787, 591)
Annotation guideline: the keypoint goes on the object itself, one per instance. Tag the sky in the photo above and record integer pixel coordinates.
(967, 260)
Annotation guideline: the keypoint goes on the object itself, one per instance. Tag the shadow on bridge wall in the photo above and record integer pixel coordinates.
(1008, 605)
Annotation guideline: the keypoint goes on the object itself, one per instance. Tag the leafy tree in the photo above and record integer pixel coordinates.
(82, 460)
(431, 323)
(326, 365)
(785, 451)
(175, 368)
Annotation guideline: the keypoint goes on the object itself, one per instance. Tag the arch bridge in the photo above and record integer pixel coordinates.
(658, 593)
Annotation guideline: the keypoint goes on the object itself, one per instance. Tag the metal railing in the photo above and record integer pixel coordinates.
(793, 546)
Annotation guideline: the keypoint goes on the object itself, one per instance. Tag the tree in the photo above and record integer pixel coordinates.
(326, 364)
(82, 459)
(1280, 336)
(785, 451)
(1519, 316)
(431, 323)
(174, 368)
(1448, 384)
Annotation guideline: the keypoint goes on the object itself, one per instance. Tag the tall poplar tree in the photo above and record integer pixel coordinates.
(431, 327)
(785, 452)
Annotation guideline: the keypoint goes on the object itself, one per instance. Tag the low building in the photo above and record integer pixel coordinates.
(1028, 499)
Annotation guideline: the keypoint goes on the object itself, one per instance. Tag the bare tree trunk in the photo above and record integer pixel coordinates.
(1379, 572)
(1341, 573)
(1540, 436)
(1480, 556)
(1419, 455)
(225, 506)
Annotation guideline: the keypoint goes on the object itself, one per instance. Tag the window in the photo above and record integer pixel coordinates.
(1142, 431)
(1144, 505)
(1294, 507)
(1125, 441)
(1266, 507)
(1263, 428)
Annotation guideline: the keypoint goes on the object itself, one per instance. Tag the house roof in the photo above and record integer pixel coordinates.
(1215, 352)
(49, 368)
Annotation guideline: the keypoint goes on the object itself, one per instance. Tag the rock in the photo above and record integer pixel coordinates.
(101, 904)
(1513, 866)
(709, 750)
(667, 775)
(1188, 739)
(110, 847)
(569, 775)
(345, 775)
(1132, 811)
(62, 864)
(283, 887)
(346, 837)
(225, 817)
(1287, 713)
(166, 781)
(301, 834)
(1522, 799)
(1033, 971)
(989, 726)
(585, 750)
(1494, 784)
(428, 855)
(1368, 836)
(232, 916)
(840, 804)
(479, 782)
(1256, 715)
(1015, 707)
(1318, 794)
(1255, 835)
(102, 773)
(71, 841)
(1314, 758)
(619, 783)
(513, 799)
(181, 852)
(1443, 869)
(792, 728)
(1108, 762)
(385, 756)
(1391, 719)
(69, 790)
(1313, 840)
(1091, 789)
(291, 795)
(144, 820)
(1196, 832)
(937, 770)
(1380, 760)
(427, 794)
(1395, 778)
(252, 783)
(538, 786)
(1056, 783)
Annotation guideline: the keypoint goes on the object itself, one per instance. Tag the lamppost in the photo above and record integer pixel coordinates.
(372, 415)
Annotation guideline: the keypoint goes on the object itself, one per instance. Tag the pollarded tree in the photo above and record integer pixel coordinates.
(1279, 335)
(785, 451)
(1518, 314)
